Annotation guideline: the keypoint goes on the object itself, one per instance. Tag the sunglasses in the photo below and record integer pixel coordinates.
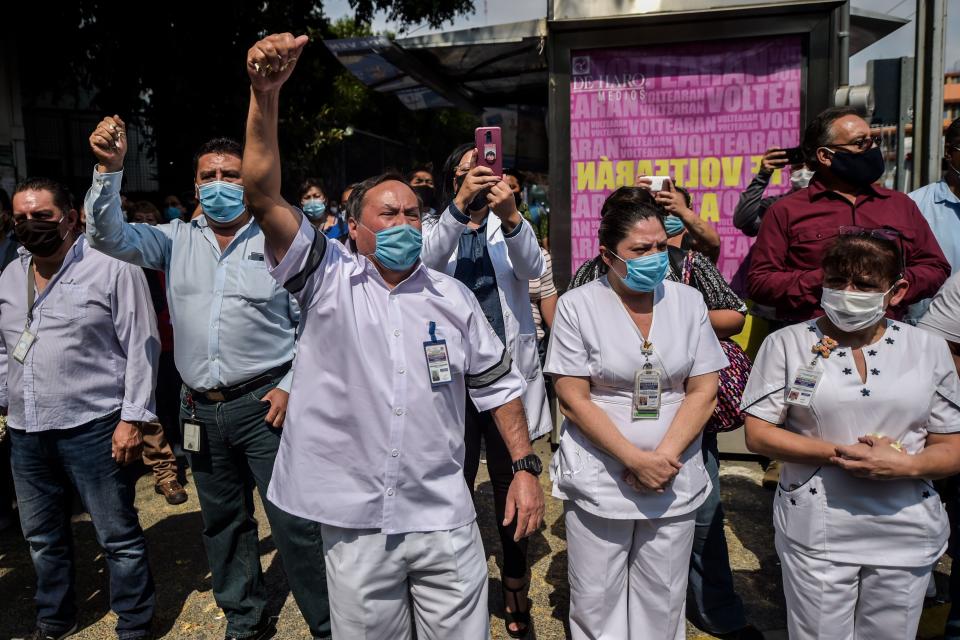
(881, 233)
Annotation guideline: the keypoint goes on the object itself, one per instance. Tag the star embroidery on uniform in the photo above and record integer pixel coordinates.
(926, 494)
(889, 340)
(895, 327)
(812, 329)
(841, 354)
(793, 501)
(865, 392)
(813, 491)
(872, 352)
(847, 371)
(874, 372)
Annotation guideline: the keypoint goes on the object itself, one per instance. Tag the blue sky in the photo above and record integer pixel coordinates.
(897, 44)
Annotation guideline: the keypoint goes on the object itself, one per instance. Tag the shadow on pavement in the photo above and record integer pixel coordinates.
(177, 559)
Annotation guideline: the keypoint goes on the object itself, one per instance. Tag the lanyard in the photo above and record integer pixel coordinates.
(646, 346)
(31, 292)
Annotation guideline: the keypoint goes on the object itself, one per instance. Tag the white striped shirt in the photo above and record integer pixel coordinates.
(96, 349)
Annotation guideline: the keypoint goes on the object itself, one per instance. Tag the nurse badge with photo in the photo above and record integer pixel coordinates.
(646, 388)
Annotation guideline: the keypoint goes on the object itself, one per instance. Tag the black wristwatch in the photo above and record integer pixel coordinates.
(530, 464)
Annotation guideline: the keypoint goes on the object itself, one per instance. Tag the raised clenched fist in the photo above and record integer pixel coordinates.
(271, 60)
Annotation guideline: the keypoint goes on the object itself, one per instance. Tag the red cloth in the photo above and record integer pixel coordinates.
(796, 230)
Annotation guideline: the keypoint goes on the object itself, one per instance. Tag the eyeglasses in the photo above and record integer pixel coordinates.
(881, 233)
(863, 144)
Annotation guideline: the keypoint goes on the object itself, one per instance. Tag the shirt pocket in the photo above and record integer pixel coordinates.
(799, 514)
(526, 356)
(806, 244)
(68, 302)
(254, 282)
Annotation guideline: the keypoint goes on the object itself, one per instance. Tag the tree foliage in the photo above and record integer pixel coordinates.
(178, 69)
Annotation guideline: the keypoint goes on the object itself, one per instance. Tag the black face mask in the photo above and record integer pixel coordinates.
(40, 237)
(427, 196)
(858, 169)
(479, 201)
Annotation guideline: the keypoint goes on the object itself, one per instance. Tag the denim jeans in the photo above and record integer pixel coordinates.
(44, 466)
(238, 450)
(712, 604)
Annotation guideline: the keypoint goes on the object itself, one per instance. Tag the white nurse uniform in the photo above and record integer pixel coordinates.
(857, 553)
(628, 551)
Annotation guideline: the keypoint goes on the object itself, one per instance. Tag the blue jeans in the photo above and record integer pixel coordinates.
(44, 466)
(712, 604)
(237, 453)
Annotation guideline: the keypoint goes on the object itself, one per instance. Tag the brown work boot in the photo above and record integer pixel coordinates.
(171, 491)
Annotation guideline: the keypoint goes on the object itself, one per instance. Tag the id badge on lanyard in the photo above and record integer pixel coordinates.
(804, 385)
(647, 390)
(438, 360)
(27, 338)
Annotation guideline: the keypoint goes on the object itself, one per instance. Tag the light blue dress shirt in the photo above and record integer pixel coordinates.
(231, 320)
(96, 346)
(940, 207)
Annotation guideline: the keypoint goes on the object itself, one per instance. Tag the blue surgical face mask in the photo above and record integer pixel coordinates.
(673, 224)
(221, 201)
(398, 247)
(171, 213)
(315, 209)
(646, 272)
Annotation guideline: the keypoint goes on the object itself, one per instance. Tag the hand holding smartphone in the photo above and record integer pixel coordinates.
(489, 149)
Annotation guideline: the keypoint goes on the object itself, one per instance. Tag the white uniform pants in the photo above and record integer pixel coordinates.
(831, 601)
(374, 578)
(628, 578)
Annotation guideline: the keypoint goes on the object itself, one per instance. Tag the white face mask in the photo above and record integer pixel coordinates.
(800, 178)
(853, 310)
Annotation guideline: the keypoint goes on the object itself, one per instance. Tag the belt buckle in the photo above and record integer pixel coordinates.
(215, 395)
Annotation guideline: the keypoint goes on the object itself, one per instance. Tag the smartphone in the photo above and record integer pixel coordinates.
(656, 182)
(794, 155)
(490, 151)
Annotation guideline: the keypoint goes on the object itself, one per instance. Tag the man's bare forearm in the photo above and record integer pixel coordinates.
(511, 421)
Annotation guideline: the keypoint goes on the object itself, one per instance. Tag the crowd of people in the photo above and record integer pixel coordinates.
(426, 312)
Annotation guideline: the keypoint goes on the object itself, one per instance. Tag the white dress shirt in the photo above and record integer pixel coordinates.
(911, 390)
(96, 347)
(368, 442)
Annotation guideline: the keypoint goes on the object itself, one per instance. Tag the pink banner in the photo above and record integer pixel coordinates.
(702, 113)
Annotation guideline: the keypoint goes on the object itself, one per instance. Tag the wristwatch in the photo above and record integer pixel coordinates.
(530, 464)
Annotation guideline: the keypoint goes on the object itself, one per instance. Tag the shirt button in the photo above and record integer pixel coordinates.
(390, 491)
(401, 370)
(399, 411)
(395, 453)
(396, 332)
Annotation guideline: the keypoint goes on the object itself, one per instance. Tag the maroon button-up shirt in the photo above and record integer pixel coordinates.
(796, 230)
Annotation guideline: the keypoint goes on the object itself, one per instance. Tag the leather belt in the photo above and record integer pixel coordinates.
(226, 394)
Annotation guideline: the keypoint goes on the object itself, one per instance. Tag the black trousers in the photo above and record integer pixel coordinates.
(499, 464)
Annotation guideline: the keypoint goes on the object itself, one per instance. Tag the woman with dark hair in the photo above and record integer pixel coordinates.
(864, 412)
(634, 361)
(481, 239)
(313, 202)
(712, 603)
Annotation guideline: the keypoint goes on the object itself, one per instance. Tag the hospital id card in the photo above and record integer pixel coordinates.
(805, 383)
(646, 394)
(191, 437)
(438, 362)
(23, 345)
